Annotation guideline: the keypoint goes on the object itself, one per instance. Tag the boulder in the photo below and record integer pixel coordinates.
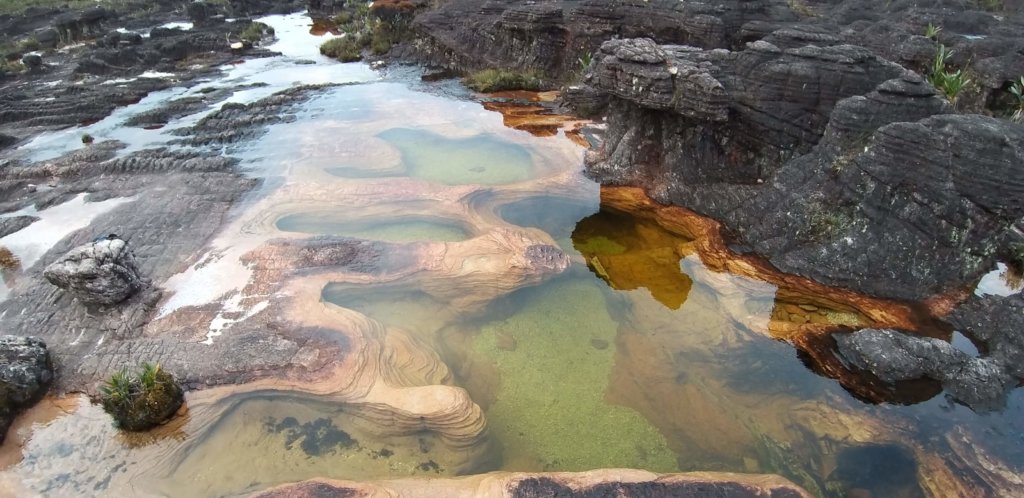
(25, 374)
(980, 383)
(100, 272)
(32, 61)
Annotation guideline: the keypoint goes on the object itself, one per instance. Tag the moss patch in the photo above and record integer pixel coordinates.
(551, 412)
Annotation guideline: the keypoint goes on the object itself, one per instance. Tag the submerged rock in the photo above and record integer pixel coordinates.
(25, 374)
(980, 383)
(100, 272)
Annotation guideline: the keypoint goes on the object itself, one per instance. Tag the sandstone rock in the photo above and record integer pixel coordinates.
(25, 374)
(604, 482)
(101, 272)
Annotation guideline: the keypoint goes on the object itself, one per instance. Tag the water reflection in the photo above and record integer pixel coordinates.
(628, 254)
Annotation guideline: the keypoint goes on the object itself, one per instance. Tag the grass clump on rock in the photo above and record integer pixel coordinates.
(141, 401)
(499, 80)
(255, 32)
(347, 48)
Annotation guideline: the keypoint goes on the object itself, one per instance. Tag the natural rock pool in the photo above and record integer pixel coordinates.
(489, 308)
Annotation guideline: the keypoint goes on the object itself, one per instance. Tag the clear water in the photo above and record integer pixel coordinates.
(639, 355)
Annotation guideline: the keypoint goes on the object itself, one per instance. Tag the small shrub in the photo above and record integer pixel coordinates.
(346, 48)
(800, 7)
(1016, 256)
(140, 402)
(8, 260)
(255, 32)
(498, 80)
(10, 67)
(1017, 90)
(28, 45)
(932, 31)
(87, 139)
(950, 83)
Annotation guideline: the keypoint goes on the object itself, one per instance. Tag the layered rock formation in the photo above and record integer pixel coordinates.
(614, 482)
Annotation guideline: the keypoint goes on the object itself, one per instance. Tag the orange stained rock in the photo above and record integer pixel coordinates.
(708, 243)
(536, 119)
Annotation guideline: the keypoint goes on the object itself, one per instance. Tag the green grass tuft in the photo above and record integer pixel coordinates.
(498, 80)
(950, 83)
(346, 48)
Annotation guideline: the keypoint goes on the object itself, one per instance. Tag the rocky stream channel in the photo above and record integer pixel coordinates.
(703, 268)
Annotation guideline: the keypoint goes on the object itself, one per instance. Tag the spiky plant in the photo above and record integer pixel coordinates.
(150, 375)
(1017, 90)
(950, 83)
(118, 389)
(932, 31)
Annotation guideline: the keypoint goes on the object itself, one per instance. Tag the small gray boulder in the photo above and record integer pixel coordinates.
(25, 374)
(100, 272)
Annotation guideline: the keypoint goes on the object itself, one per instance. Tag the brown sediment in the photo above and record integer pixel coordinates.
(43, 412)
(595, 483)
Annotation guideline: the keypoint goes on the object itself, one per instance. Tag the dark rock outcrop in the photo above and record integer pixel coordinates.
(815, 157)
(980, 383)
(101, 272)
(553, 35)
(11, 224)
(25, 375)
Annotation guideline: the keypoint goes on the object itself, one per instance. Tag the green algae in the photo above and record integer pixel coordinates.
(550, 413)
(477, 160)
(388, 231)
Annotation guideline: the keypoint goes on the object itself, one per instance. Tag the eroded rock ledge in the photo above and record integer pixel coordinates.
(596, 483)
(897, 198)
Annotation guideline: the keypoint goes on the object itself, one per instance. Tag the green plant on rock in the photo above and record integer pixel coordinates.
(347, 48)
(824, 224)
(932, 31)
(87, 139)
(499, 80)
(1016, 255)
(255, 32)
(1017, 90)
(950, 83)
(142, 401)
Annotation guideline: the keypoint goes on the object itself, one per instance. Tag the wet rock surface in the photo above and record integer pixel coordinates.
(980, 383)
(100, 272)
(25, 375)
(596, 483)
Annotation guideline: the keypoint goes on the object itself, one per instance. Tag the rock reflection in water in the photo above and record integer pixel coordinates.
(630, 254)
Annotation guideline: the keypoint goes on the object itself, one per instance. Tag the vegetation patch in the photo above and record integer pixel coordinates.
(346, 48)
(945, 80)
(141, 400)
(255, 32)
(1017, 90)
(825, 224)
(500, 80)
